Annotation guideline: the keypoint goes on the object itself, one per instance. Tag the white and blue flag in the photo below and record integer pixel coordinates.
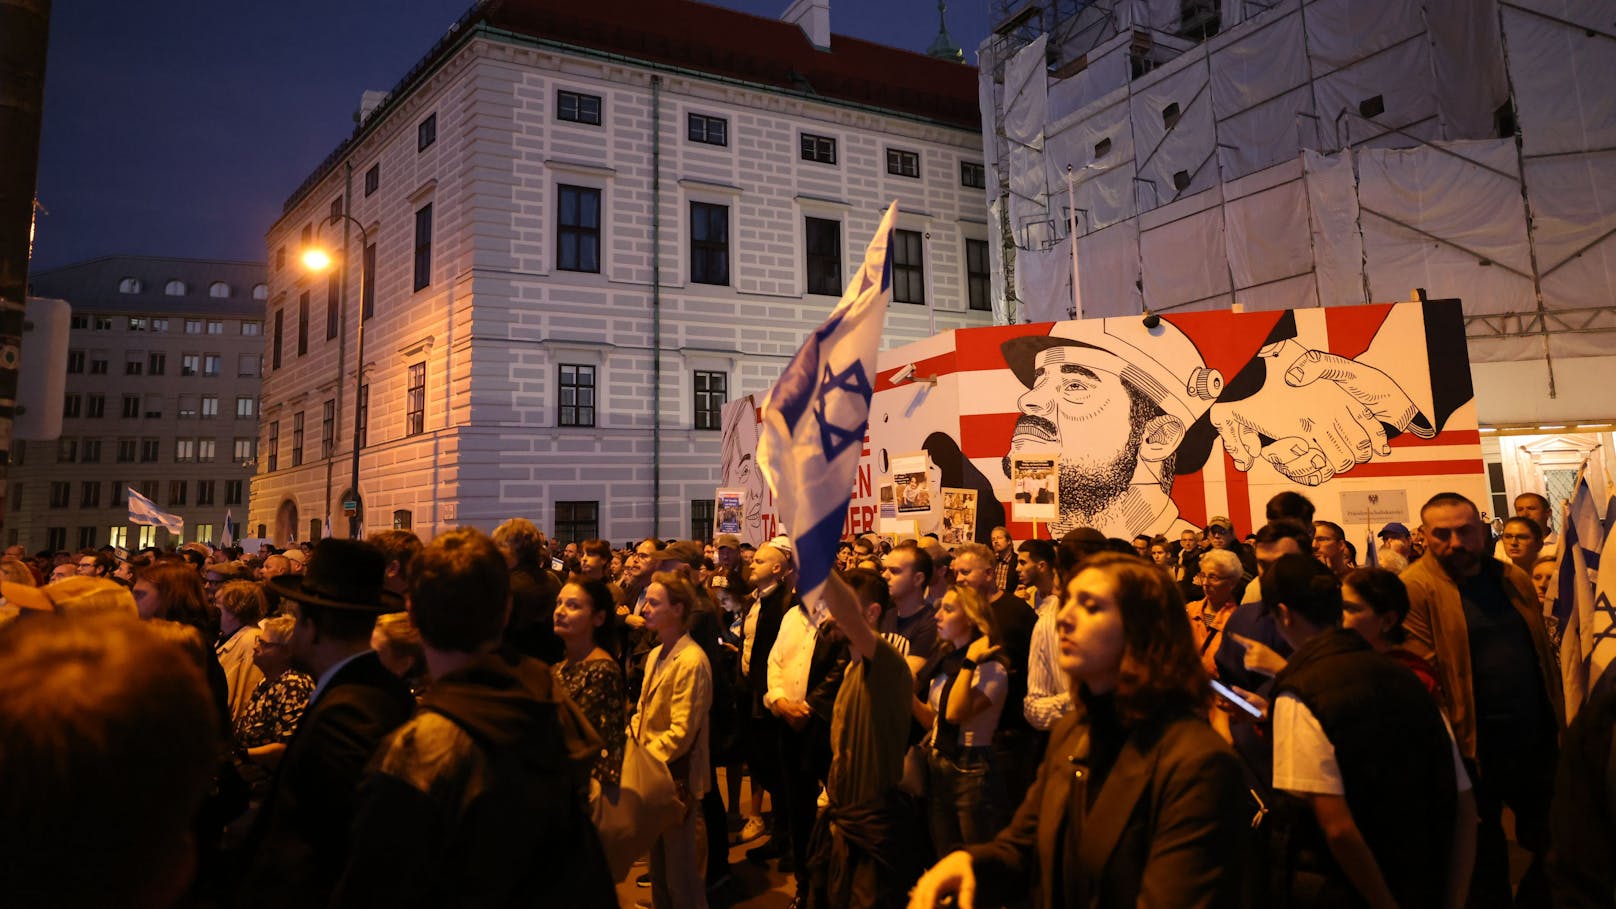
(144, 511)
(1574, 592)
(229, 538)
(816, 415)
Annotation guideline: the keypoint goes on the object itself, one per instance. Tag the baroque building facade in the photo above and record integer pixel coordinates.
(576, 234)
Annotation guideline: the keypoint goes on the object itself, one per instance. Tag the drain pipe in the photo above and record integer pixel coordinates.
(656, 306)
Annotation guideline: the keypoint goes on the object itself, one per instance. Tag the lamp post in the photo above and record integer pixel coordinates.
(318, 260)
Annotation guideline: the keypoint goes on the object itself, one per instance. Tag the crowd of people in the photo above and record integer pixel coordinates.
(480, 720)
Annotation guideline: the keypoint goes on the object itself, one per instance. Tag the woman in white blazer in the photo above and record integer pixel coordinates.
(670, 723)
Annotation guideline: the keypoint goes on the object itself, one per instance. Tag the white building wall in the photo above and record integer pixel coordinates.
(499, 317)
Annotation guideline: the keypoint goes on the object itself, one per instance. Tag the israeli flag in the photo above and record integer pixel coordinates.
(144, 511)
(1575, 596)
(815, 417)
(229, 538)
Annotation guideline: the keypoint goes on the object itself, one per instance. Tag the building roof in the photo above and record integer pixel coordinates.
(728, 43)
(717, 41)
(94, 285)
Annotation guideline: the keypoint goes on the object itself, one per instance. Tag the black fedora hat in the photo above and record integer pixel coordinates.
(342, 574)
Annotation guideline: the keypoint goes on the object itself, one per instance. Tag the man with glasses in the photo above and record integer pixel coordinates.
(95, 564)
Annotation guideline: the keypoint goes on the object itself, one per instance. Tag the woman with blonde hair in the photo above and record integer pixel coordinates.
(398, 645)
(962, 691)
(277, 702)
(670, 724)
(1138, 801)
(241, 607)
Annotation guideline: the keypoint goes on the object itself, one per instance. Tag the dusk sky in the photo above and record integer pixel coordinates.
(179, 128)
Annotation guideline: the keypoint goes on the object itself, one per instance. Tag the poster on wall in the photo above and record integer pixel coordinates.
(731, 504)
(911, 483)
(1155, 425)
(959, 516)
(889, 502)
(1032, 484)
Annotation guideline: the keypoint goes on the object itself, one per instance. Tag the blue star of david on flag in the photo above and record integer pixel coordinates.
(811, 464)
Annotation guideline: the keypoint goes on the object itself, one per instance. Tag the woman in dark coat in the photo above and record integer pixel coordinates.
(1138, 801)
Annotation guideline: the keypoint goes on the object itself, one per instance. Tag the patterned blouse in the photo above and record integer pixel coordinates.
(273, 712)
(597, 687)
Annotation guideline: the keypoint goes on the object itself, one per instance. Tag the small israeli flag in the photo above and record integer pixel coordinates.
(815, 416)
(144, 511)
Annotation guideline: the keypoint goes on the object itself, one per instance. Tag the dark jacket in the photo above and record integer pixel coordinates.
(1013, 622)
(1165, 828)
(1395, 758)
(299, 844)
(1583, 819)
(478, 801)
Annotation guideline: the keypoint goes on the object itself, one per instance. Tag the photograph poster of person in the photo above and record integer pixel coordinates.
(959, 516)
(1033, 477)
(729, 510)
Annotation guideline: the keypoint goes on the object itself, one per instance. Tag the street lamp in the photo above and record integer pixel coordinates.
(318, 260)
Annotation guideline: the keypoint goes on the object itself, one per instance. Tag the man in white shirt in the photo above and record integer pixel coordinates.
(1048, 697)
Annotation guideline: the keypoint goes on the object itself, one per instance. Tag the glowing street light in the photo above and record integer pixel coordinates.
(316, 260)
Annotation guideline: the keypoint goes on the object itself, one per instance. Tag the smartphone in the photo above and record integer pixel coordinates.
(1235, 699)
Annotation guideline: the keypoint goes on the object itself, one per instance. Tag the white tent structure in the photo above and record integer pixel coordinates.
(1316, 153)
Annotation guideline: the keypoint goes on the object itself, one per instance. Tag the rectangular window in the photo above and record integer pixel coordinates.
(86, 537)
(78, 322)
(280, 258)
(206, 450)
(118, 536)
(75, 362)
(210, 406)
(210, 365)
(176, 492)
(120, 493)
(204, 492)
(973, 175)
(184, 450)
(818, 149)
(712, 390)
(824, 265)
(146, 536)
(709, 243)
(577, 521)
(215, 327)
(95, 406)
(708, 130)
(273, 443)
(67, 450)
(126, 451)
(246, 406)
(90, 494)
(423, 246)
(136, 323)
(403, 519)
(187, 407)
(233, 490)
(149, 450)
(335, 211)
(577, 384)
(156, 364)
(578, 228)
(367, 266)
(903, 163)
(98, 367)
(190, 364)
(251, 328)
(303, 324)
(159, 325)
(297, 439)
(701, 519)
(72, 405)
(61, 491)
(275, 352)
(90, 452)
(328, 429)
(426, 133)
(204, 532)
(373, 179)
(248, 364)
(134, 366)
(363, 416)
(193, 326)
(56, 538)
(415, 401)
(244, 450)
(333, 287)
(103, 323)
(131, 407)
(978, 274)
(575, 107)
(908, 268)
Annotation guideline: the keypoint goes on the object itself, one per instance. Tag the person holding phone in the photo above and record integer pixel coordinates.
(1138, 801)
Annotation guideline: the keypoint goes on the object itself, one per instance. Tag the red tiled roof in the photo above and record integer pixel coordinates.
(725, 42)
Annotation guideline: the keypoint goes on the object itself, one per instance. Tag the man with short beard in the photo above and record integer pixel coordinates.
(1478, 621)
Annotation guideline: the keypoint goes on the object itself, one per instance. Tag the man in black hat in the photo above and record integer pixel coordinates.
(298, 847)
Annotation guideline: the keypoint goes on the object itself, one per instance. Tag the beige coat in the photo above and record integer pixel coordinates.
(1437, 631)
(240, 675)
(670, 722)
